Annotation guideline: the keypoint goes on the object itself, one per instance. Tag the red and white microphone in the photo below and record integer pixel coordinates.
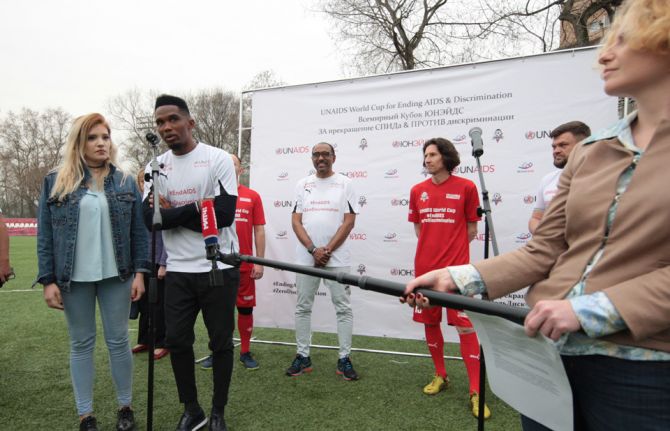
(210, 231)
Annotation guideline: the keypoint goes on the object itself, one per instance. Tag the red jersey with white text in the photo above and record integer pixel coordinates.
(443, 210)
(248, 213)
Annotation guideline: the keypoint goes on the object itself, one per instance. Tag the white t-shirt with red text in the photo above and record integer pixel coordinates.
(183, 180)
(323, 202)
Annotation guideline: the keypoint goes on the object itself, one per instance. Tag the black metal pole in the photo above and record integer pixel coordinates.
(514, 314)
(152, 294)
(489, 237)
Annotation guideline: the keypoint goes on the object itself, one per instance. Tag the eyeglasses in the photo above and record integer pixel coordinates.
(324, 154)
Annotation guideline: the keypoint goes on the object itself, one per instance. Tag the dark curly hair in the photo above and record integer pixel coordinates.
(450, 158)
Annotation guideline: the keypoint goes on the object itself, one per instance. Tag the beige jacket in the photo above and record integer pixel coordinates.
(634, 270)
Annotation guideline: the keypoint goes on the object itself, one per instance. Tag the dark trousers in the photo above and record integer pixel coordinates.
(616, 394)
(159, 314)
(185, 295)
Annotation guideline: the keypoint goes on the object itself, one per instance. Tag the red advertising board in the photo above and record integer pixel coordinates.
(21, 226)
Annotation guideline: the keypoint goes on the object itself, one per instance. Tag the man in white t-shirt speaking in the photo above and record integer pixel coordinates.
(324, 214)
(191, 172)
(564, 138)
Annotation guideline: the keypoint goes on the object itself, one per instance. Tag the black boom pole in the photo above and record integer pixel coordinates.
(387, 287)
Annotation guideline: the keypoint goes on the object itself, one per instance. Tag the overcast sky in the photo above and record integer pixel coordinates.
(76, 54)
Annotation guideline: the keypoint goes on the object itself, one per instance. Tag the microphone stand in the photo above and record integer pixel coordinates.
(156, 225)
(489, 236)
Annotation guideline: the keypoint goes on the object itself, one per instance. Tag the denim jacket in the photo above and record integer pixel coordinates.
(57, 223)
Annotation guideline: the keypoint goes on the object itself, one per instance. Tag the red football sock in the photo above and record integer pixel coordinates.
(245, 325)
(435, 342)
(470, 354)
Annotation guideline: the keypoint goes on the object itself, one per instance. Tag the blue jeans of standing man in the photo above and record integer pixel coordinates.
(113, 297)
(610, 394)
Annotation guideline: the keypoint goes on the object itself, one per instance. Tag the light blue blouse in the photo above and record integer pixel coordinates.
(94, 250)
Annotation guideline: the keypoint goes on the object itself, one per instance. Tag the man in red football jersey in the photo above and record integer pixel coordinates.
(443, 209)
(250, 227)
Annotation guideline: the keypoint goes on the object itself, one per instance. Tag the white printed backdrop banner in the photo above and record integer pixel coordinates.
(378, 126)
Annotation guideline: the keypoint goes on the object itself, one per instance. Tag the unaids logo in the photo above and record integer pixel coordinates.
(357, 236)
(390, 237)
(537, 134)
(399, 202)
(391, 173)
(355, 174)
(283, 204)
(523, 238)
(364, 144)
(424, 196)
(498, 135)
(362, 201)
(407, 143)
(292, 150)
(497, 198)
(459, 139)
(473, 169)
(402, 272)
(361, 269)
(525, 167)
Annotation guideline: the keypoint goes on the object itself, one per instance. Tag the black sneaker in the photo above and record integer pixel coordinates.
(301, 364)
(192, 422)
(88, 424)
(249, 361)
(125, 419)
(207, 363)
(345, 369)
(216, 421)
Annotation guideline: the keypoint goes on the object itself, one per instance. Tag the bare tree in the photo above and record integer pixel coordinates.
(264, 79)
(30, 146)
(216, 112)
(390, 35)
(132, 115)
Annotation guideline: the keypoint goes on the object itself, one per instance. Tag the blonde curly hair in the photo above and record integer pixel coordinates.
(644, 24)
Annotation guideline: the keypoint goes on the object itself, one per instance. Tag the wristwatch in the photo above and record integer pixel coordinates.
(311, 249)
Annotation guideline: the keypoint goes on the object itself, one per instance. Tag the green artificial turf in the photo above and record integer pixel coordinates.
(35, 389)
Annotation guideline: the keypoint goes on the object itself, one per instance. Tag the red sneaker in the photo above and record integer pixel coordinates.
(139, 348)
(160, 353)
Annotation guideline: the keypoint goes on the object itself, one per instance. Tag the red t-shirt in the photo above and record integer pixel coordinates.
(248, 213)
(443, 211)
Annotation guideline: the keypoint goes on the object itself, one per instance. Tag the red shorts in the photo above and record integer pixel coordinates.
(433, 316)
(246, 293)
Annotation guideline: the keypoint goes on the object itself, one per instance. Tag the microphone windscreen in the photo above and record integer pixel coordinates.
(210, 231)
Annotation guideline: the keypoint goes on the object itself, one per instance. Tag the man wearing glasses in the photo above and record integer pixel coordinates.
(323, 216)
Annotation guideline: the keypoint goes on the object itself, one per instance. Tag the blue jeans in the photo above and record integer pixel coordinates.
(113, 298)
(616, 394)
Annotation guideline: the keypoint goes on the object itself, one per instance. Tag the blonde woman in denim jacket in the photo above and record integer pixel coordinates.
(92, 245)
